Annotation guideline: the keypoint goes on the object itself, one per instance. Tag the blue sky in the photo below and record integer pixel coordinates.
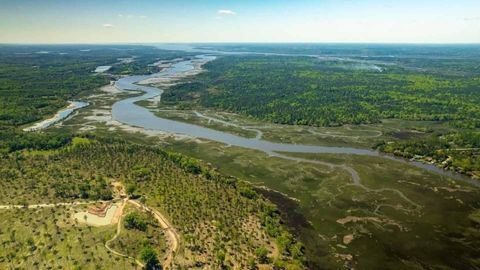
(141, 21)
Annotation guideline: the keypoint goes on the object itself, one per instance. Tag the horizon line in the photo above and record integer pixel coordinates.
(244, 42)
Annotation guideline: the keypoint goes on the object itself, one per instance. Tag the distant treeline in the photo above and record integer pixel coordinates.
(36, 81)
(331, 92)
(459, 151)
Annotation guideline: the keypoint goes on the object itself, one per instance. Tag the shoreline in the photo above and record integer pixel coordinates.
(58, 117)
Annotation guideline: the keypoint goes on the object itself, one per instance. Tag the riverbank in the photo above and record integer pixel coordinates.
(59, 116)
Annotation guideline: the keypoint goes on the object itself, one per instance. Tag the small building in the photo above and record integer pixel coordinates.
(99, 209)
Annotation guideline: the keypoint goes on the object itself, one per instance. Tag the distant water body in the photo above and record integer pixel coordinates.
(127, 112)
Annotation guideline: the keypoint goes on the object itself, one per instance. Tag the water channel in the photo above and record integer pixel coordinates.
(127, 112)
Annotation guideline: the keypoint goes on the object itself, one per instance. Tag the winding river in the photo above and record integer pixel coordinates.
(127, 112)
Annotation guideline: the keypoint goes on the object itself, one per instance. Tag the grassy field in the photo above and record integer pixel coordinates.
(189, 117)
(341, 223)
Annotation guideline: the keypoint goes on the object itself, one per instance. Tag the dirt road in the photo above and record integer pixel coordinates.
(170, 232)
(119, 230)
(45, 205)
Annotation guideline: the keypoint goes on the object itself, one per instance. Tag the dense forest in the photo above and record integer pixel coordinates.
(459, 151)
(34, 85)
(35, 81)
(330, 92)
(222, 221)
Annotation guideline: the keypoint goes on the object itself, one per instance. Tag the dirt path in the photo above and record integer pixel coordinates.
(119, 230)
(170, 231)
(45, 205)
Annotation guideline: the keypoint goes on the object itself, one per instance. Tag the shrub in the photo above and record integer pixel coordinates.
(262, 255)
(135, 221)
(149, 257)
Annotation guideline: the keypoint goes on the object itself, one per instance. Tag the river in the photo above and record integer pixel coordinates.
(127, 112)
(59, 116)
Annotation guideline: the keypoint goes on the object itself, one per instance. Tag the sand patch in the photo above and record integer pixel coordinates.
(347, 239)
(58, 117)
(102, 69)
(110, 89)
(87, 128)
(94, 220)
(344, 257)
(166, 81)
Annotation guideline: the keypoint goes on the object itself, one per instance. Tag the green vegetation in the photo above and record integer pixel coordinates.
(458, 151)
(149, 257)
(11, 141)
(95, 189)
(261, 254)
(439, 59)
(20, 173)
(403, 235)
(135, 221)
(311, 91)
(190, 117)
(131, 188)
(207, 208)
(49, 238)
(141, 237)
(333, 91)
(35, 85)
(400, 217)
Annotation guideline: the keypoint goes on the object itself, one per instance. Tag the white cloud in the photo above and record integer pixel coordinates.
(226, 12)
(107, 25)
(142, 17)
